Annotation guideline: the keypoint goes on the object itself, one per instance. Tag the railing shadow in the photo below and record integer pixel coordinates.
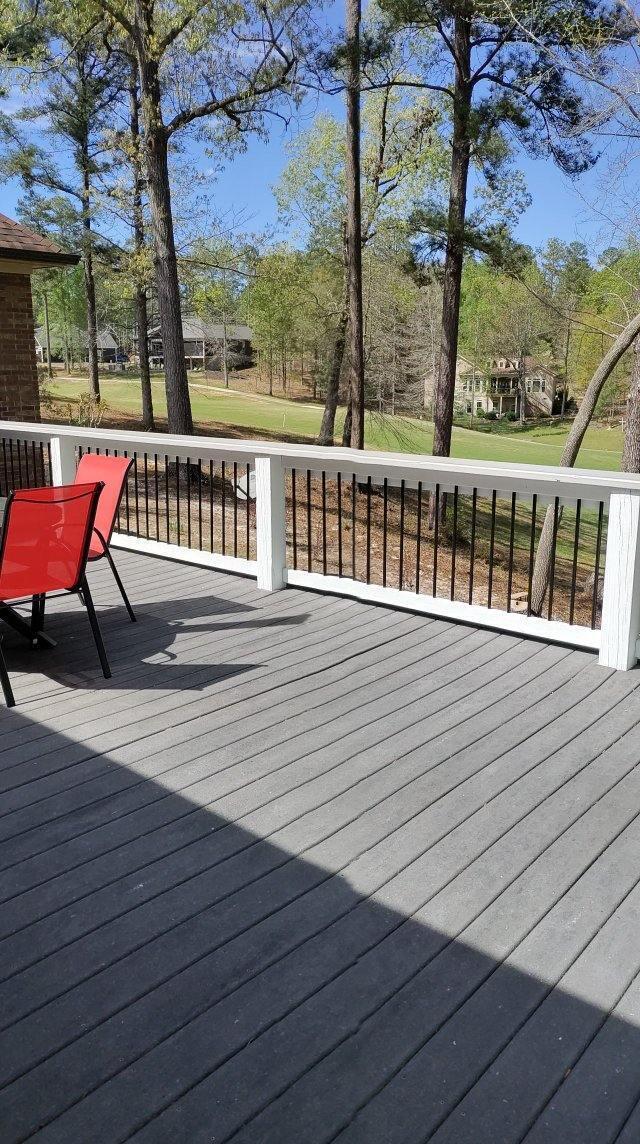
(170, 974)
(132, 648)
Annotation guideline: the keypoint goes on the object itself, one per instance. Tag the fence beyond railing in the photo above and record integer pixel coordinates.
(451, 538)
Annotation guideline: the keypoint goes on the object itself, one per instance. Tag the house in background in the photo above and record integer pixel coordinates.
(77, 342)
(22, 252)
(204, 344)
(495, 387)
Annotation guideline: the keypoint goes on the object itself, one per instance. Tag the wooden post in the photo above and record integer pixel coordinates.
(271, 523)
(621, 594)
(63, 461)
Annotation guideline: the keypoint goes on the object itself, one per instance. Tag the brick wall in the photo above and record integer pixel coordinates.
(19, 399)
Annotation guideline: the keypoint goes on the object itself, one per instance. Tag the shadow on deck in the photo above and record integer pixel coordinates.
(308, 870)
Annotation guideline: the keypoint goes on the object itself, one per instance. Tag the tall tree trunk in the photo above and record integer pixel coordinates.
(346, 428)
(631, 449)
(328, 425)
(142, 322)
(542, 567)
(165, 263)
(460, 155)
(142, 317)
(47, 331)
(89, 279)
(225, 363)
(355, 354)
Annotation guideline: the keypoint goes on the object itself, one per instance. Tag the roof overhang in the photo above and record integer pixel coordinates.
(14, 262)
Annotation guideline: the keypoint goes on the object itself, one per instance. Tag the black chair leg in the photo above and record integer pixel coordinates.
(95, 628)
(5, 682)
(37, 619)
(116, 576)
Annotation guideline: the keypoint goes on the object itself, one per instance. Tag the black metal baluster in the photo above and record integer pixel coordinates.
(146, 494)
(20, 476)
(472, 546)
(126, 496)
(324, 523)
(309, 561)
(200, 504)
(418, 535)
(436, 530)
(385, 514)
(12, 463)
(5, 484)
(156, 494)
(34, 462)
(235, 508)
(294, 519)
(211, 475)
(43, 475)
(166, 497)
(454, 543)
(339, 478)
(135, 487)
(401, 553)
(512, 531)
(353, 526)
(492, 544)
(223, 508)
(574, 568)
(596, 567)
(248, 515)
(532, 550)
(178, 497)
(368, 533)
(188, 502)
(553, 557)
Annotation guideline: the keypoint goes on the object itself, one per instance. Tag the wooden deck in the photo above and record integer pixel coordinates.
(308, 870)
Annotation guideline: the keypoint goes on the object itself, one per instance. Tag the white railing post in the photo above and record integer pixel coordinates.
(621, 592)
(63, 460)
(271, 538)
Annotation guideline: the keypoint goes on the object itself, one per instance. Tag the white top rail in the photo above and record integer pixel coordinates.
(548, 481)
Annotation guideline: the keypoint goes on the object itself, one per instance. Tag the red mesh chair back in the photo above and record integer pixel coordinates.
(45, 539)
(112, 473)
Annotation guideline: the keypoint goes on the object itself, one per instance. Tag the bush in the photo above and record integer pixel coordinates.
(511, 416)
(491, 415)
(480, 414)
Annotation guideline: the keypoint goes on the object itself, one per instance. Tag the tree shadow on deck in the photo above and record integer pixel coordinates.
(167, 974)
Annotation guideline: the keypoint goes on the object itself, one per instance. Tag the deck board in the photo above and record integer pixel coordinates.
(306, 870)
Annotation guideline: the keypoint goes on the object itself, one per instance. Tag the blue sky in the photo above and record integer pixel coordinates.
(560, 207)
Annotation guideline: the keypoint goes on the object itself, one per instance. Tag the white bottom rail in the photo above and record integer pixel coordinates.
(553, 631)
(186, 555)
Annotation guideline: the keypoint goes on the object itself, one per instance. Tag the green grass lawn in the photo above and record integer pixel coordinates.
(539, 445)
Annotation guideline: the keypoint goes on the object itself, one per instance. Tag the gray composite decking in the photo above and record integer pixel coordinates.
(308, 870)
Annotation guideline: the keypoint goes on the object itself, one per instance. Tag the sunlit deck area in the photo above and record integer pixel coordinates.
(309, 869)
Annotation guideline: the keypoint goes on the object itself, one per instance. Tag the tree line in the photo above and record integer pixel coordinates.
(400, 209)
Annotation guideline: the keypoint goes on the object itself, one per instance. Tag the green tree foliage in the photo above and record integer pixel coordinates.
(503, 71)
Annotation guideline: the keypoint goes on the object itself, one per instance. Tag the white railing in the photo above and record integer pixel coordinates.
(396, 483)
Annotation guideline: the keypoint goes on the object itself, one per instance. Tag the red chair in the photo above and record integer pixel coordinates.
(44, 549)
(112, 473)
